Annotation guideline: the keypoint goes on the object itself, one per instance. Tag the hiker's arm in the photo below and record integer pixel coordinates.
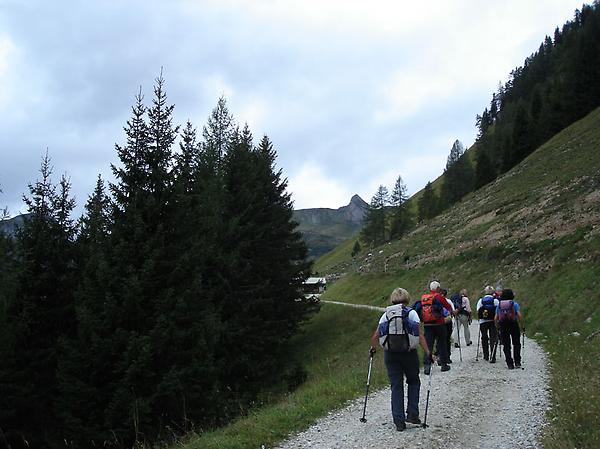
(374, 340)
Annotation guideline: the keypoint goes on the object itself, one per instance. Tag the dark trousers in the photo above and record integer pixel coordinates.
(400, 365)
(437, 333)
(510, 331)
(489, 336)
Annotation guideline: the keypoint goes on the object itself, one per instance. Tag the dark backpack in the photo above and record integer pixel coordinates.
(507, 311)
(487, 311)
(456, 299)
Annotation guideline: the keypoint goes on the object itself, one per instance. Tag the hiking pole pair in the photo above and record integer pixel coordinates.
(478, 338)
(371, 352)
(458, 336)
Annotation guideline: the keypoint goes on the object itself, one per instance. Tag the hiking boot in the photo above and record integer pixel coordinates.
(449, 360)
(470, 343)
(456, 345)
(511, 367)
(486, 358)
(401, 427)
(493, 360)
(445, 368)
(413, 419)
(426, 369)
(517, 365)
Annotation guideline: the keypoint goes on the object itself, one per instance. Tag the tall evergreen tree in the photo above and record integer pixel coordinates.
(428, 203)
(400, 219)
(374, 227)
(39, 315)
(458, 176)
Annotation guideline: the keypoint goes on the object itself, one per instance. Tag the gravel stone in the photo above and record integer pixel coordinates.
(475, 404)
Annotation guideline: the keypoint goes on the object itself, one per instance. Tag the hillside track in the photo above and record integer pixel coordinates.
(474, 405)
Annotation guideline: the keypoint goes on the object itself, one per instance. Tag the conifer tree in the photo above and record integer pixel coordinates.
(40, 314)
(428, 203)
(374, 228)
(401, 219)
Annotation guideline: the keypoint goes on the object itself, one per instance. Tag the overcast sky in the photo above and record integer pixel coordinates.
(352, 93)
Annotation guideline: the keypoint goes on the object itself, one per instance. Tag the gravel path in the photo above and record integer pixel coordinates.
(474, 405)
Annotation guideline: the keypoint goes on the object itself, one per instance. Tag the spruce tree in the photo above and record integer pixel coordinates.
(40, 314)
(374, 227)
(400, 219)
(428, 203)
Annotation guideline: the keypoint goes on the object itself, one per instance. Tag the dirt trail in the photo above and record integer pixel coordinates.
(474, 405)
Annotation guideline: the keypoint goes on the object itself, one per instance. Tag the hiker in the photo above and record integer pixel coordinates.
(431, 312)
(486, 311)
(463, 318)
(508, 316)
(399, 333)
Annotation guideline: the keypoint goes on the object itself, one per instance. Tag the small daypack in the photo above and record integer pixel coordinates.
(487, 311)
(506, 311)
(433, 309)
(456, 299)
(398, 333)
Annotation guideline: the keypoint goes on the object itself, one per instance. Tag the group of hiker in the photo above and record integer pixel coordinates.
(429, 323)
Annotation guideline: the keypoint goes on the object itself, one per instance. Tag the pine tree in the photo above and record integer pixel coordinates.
(40, 314)
(374, 227)
(356, 249)
(484, 170)
(428, 203)
(400, 219)
(458, 177)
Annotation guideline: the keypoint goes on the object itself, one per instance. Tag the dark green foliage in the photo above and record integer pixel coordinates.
(374, 228)
(170, 308)
(39, 314)
(400, 215)
(356, 249)
(459, 176)
(428, 206)
(556, 86)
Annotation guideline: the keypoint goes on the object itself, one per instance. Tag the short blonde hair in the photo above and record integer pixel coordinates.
(488, 290)
(399, 296)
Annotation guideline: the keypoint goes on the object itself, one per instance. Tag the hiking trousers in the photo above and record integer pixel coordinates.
(463, 327)
(489, 336)
(510, 331)
(433, 333)
(400, 365)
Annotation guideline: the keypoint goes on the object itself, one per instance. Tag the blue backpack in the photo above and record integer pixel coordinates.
(487, 311)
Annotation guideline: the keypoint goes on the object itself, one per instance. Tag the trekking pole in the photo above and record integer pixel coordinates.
(424, 425)
(363, 419)
(478, 338)
(458, 336)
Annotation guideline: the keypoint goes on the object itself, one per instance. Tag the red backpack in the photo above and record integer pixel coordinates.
(433, 309)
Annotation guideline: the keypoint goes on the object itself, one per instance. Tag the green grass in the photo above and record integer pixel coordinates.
(334, 349)
(499, 233)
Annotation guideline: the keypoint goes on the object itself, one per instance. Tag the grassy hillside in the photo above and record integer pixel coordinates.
(536, 229)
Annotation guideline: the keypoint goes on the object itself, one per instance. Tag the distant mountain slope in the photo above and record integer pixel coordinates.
(11, 225)
(323, 229)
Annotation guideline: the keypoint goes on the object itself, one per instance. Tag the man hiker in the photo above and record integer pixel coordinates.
(431, 312)
(486, 311)
(508, 316)
(463, 318)
(399, 333)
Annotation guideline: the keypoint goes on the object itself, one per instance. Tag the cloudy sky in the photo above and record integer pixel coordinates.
(352, 93)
